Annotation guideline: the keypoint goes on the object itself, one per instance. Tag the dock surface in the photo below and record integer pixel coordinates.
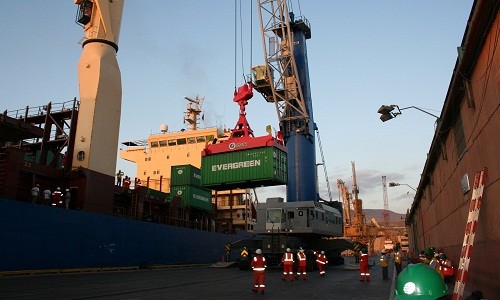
(200, 282)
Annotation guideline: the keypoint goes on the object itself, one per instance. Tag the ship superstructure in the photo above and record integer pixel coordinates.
(155, 157)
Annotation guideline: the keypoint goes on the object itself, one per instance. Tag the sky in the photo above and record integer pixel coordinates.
(362, 54)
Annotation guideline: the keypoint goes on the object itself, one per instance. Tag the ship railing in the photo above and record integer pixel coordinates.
(42, 110)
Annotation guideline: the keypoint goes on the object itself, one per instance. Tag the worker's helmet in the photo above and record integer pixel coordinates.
(258, 251)
(67, 190)
(288, 250)
(442, 256)
(364, 250)
(322, 252)
(58, 188)
(420, 281)
(301, 250)
(429, 251)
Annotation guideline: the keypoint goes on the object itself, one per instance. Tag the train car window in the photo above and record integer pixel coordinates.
(274, 215)
(291, 215)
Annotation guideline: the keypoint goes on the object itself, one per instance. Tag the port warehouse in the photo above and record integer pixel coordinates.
(465, 142)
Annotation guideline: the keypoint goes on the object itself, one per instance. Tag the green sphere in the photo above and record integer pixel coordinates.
(419, 281)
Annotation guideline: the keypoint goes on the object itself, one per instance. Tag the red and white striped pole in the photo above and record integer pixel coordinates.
(470, 232)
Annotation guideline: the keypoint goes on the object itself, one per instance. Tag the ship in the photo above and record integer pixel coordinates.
(145, 226)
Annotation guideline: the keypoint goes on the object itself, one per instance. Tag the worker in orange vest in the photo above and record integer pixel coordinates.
(301, 256)
(364, 268)
(287, 261)
(259, 267)
(322, 262)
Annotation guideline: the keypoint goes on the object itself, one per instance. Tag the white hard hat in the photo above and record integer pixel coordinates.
(288, 250)
(67, 190)
(301, 250)
(258, 251)
(58, 188)
(322, 252)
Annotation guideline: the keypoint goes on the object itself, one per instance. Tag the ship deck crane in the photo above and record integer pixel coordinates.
(97, 130)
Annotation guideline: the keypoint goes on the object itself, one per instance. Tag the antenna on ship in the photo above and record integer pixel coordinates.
(193, 111)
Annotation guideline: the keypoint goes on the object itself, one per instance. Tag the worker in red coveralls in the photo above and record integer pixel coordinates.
(446, 268)
(301, 256)
(259, 267)
(364, 268)
(287, 261)
(57, 197)
(322, 262)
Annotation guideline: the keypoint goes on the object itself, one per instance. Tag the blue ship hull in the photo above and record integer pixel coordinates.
(34, 237)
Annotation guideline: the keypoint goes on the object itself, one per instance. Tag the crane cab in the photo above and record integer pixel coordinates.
(262, 81)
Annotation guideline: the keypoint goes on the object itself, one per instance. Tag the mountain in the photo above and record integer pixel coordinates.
(394, 218)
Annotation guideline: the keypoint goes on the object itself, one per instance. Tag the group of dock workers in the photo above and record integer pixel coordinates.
(259, 265)
(56, 198)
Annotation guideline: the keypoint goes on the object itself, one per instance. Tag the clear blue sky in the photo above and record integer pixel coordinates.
(362, 54)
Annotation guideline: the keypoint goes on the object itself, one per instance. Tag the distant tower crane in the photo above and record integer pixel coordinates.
(358, 230)
(385, 213)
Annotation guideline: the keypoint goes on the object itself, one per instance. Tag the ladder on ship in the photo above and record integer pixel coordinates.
(133, 205)
(3, 171)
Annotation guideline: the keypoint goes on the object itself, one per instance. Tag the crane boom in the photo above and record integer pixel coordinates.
(346, 198)
(355, 189)
(284, 80)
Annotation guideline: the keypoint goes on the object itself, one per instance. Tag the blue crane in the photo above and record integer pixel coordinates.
(284, 81)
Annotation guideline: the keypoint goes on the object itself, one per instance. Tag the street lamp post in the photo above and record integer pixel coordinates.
(387, 112)
(393, 184)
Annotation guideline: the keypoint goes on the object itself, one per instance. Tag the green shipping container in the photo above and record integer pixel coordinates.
(185, 175)
(193, 196)
(251, 168)
(157, 195)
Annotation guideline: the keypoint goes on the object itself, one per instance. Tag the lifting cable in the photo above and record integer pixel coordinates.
(324, 166)
(238, 13)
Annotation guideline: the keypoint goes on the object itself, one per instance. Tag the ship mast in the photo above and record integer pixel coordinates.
(192, 112)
